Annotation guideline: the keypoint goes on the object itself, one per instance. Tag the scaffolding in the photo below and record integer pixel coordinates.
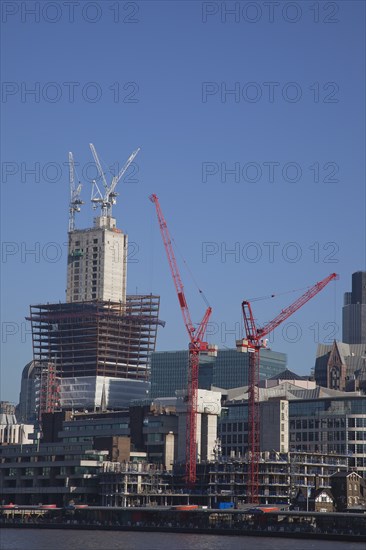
(97, 338)
(47, 398)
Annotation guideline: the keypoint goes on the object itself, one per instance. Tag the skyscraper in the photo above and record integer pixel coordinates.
(354, 311)
(98, 342)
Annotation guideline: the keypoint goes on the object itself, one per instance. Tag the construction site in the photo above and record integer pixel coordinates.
(92, 355)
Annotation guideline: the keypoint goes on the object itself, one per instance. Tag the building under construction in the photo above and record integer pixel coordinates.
(98, 348)
(93, 349)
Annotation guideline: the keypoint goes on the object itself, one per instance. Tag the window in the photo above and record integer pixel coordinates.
(154, 438)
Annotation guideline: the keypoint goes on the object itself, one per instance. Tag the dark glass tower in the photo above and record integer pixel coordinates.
(354, 311)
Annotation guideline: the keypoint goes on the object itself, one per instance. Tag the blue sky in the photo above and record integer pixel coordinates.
(159, 75)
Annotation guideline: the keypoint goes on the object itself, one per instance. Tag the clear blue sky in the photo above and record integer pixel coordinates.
(293, 131)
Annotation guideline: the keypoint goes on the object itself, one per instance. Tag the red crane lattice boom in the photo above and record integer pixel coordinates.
(253, 344)
(196, 345)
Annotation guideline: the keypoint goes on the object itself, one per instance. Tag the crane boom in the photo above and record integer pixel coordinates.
(195, 347)
(99, 166)
(173, 267)
(285, 313)
(71, 174)
(75, 201)
(116, 179)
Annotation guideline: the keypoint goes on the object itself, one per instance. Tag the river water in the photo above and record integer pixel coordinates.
(44, 539)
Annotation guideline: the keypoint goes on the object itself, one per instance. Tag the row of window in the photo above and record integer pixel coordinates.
(305, 424)
(96, 427)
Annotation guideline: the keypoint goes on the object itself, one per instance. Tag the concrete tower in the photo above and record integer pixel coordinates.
(97, 263)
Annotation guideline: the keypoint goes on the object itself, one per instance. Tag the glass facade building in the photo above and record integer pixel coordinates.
(354, 311)
(228, 370)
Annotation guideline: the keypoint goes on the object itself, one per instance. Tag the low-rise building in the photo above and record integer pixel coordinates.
(317, 420)
(349, 490)
(13, 432)
(51, 473)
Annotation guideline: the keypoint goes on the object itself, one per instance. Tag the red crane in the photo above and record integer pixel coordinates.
(196, 346)
(252, 344)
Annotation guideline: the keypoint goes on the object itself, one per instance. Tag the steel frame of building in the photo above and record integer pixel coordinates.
(97, 338)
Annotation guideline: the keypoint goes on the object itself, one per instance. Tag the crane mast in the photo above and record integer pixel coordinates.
(196, 345)
(252, 344)
(75, 202)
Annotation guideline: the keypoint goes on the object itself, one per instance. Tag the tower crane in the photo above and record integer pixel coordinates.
(196, 345)
(107, 197)
(75, 202)
(252, 344)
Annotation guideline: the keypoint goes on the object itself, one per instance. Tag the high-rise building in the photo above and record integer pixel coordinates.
(92, 351)
(354, 311)
(228, 370)
(97, 263)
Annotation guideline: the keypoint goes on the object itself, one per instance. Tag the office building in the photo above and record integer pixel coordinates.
(354, 311)
(228, 370)
(316, 420)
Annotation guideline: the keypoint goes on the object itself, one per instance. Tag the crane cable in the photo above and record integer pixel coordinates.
(277, 294)
(190, 273)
